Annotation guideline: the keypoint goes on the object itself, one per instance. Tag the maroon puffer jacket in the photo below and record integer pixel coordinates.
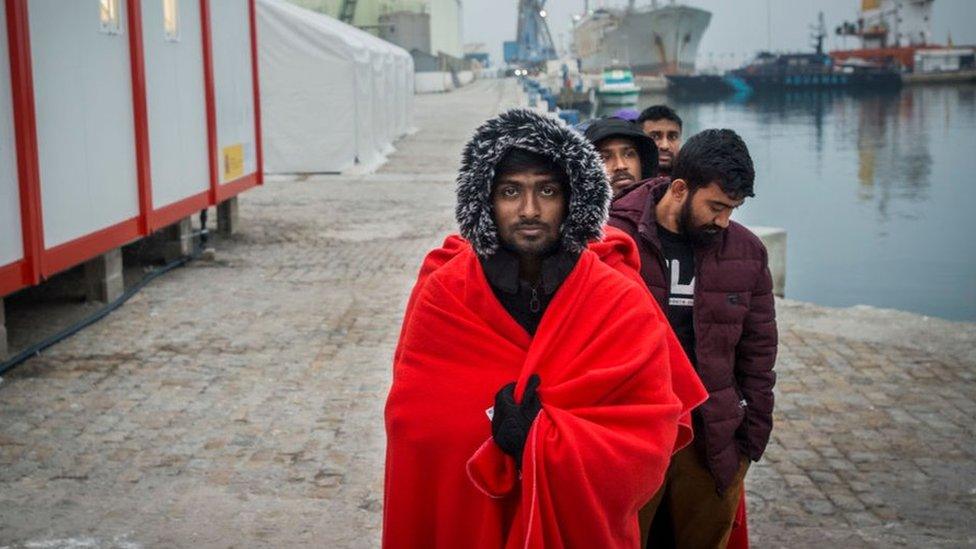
(735, 330)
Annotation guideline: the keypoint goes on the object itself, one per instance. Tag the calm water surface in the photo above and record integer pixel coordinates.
(877, 192)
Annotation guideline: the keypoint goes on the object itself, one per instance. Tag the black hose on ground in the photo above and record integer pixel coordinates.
(37, 348)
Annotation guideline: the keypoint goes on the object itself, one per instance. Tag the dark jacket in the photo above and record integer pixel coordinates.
(735, 330)
(525, 303)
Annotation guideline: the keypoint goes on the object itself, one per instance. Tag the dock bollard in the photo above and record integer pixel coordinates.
(775, 241)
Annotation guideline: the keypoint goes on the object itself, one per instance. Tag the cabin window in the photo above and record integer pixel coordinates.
(110, 16)
(171, 20)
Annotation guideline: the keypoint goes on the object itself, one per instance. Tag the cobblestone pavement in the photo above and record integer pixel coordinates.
(238, 402)
(874, 442)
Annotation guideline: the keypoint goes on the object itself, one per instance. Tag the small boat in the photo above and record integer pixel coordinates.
(575, 99)
(617, 87)
(575, 95)
(814, 71)
(804, 71)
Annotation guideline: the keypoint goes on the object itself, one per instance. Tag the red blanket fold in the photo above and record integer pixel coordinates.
(616, 392)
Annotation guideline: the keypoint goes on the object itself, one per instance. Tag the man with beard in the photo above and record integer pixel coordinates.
(628, 155)
(664, 126)
(711, 277)
(538, 392)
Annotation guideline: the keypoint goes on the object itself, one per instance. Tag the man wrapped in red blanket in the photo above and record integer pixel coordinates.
(538, 391)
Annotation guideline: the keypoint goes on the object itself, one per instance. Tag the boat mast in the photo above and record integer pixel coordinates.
(819, 32)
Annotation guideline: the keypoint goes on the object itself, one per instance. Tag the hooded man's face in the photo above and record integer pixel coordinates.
(529, 208)
(621, 162)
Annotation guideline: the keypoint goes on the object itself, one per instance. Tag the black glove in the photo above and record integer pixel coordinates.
(511, 422)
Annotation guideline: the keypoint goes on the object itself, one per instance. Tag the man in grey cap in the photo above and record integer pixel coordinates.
(629, 156)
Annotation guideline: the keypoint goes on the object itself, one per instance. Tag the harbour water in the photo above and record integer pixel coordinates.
(876, 191)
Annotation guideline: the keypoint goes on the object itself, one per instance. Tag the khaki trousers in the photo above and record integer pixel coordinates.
(687, 512)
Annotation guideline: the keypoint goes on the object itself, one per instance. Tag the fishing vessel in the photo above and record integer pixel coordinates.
(899, 34)
(786, 72)
(652, 39)
(890, 32)
(770, 72)
(617, 87)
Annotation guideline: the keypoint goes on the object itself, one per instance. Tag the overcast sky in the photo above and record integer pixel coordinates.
(738, 28)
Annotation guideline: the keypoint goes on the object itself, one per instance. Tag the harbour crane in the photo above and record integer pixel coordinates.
(533, 44)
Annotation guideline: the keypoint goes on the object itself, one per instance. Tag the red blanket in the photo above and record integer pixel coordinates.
(616, 392)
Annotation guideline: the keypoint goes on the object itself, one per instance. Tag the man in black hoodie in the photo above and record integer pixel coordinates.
(629, 156)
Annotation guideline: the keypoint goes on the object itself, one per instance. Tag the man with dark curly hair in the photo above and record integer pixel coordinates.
(711, 277)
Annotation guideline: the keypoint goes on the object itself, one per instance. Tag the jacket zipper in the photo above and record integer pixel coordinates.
(534, 303)
(694, 324)
(659, 254)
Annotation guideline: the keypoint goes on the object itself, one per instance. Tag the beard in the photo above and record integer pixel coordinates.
(621, 182)
(543, 246)
(699, 235)
(665, 169)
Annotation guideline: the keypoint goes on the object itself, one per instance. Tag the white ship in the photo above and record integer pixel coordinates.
(652, 39)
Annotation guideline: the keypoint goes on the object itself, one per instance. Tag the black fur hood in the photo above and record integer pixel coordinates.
(589, 191)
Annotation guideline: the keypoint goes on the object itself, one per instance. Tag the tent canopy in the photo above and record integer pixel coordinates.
(332, 95)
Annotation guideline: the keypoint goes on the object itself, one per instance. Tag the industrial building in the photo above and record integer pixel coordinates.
(430, 26)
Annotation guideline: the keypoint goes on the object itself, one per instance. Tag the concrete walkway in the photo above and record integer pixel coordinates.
(238, 403)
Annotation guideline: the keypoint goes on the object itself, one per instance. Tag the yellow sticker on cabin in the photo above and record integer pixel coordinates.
(233, 162)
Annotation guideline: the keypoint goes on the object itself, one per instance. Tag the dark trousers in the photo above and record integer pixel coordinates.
(687, 512)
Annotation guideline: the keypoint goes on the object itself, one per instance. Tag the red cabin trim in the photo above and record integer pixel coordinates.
(25, 131)
(140, 112)
(237, 186)
(12, 277)
(167, 215)
(257, 91)
(210, 97)
(71, 253)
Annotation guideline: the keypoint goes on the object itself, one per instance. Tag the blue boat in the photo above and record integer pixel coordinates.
(807, 71)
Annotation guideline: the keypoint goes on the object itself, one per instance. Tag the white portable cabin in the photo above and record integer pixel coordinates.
(332, 95)
(943, 60)
(118, 118)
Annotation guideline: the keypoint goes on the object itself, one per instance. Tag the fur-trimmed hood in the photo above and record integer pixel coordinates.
(589, 190)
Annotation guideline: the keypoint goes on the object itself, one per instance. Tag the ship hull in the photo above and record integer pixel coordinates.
(651, 41)
(785, 82)
(618, 97)
(703, 85)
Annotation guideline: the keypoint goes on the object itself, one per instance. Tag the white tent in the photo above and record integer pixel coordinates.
(332, 95)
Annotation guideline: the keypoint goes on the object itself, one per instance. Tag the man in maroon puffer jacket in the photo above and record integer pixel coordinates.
(711, 276)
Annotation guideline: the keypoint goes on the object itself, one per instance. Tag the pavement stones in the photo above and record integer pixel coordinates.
(238, 402)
